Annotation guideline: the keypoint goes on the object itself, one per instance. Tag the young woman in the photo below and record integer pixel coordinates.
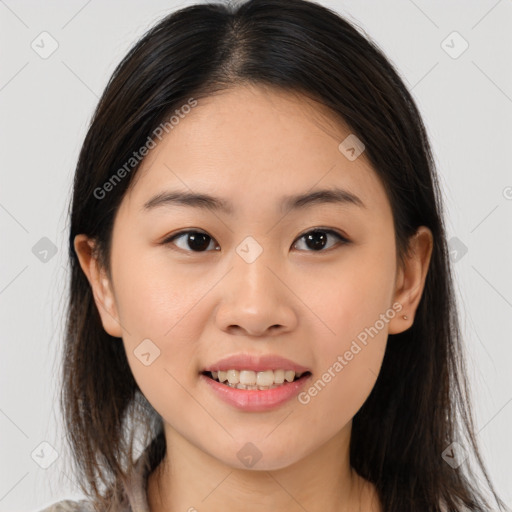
(261, 309)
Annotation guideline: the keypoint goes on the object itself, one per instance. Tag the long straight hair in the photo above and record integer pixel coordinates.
(420, 402)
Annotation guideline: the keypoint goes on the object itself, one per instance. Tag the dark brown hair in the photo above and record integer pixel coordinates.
(419, 404)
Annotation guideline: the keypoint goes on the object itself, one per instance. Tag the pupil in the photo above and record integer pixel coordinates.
(318, 239)
(198, 241)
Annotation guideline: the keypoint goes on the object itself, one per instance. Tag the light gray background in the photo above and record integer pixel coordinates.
(46, 105)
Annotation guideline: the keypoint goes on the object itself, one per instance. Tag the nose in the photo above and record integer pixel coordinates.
(256, 299)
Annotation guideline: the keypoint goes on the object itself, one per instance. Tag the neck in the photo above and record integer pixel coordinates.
(189, 479)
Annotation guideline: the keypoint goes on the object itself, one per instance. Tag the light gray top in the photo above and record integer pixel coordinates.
(134, 497)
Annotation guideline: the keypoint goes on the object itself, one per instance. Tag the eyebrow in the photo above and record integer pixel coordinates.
(291, 202)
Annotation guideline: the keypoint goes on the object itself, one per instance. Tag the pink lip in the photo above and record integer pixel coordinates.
(253, 400)
(255, 363)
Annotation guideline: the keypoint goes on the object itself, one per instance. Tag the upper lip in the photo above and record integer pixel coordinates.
(255, 363)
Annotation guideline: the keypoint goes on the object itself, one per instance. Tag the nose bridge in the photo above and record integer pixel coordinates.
(255, 299)
(251, 263)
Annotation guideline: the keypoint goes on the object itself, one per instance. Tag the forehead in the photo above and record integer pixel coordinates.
(254, 145)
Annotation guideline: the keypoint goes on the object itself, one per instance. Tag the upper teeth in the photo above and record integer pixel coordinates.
(251, 378)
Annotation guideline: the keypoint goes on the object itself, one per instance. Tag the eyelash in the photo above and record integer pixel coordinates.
(343, 240)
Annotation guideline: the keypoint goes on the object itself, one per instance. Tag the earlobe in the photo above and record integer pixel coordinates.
(411, 277)
(85, 249)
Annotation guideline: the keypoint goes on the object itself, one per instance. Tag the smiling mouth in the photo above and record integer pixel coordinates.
(251, 380)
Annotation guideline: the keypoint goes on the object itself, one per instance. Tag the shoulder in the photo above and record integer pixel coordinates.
(70, 506)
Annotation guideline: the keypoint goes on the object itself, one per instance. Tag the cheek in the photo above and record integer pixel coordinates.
(159, 308)
(350, 294)
(160, 303)
(156, 298)
(355, 309)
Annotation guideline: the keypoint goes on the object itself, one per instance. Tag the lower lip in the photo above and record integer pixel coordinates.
(254, 400)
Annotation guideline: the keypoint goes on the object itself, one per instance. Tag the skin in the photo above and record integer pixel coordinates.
(251, 146)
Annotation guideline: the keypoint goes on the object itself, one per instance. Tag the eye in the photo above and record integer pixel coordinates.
(317, 239)
(199, 241)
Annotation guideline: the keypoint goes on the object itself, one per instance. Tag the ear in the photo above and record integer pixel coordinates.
(85, 249)
(410, 280)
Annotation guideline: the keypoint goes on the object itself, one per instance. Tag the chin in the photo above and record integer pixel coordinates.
(255, 457)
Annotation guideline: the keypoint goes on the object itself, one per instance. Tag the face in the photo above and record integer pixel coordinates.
(314, 283)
